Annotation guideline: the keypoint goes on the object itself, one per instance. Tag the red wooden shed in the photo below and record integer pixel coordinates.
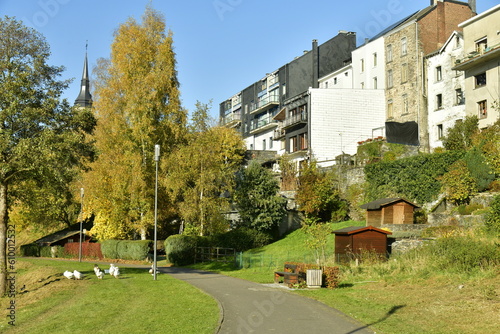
(350, 242)
(389, 211)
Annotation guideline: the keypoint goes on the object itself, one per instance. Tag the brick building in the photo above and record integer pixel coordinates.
(406, 44)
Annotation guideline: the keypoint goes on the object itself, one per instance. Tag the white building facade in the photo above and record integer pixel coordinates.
(368, 65)
(445, 89)
(340, 118)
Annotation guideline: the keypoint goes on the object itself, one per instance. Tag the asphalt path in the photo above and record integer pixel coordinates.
(247, 307)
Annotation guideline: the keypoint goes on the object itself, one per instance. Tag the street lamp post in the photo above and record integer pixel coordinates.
(157, 158)
(81, 225)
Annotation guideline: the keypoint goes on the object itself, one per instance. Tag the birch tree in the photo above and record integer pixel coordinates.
(201, 174)
(136, 100)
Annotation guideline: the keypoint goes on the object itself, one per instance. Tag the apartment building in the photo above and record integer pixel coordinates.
(406, 44)
(481, 64)
(445, 89)
(271, 114)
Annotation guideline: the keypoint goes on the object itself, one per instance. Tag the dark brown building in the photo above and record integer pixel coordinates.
(389, 211)
(350, 242)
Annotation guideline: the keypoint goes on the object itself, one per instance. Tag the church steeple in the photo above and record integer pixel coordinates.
(84, 99)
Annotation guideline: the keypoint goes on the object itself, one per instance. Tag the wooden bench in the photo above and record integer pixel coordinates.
(290, 275)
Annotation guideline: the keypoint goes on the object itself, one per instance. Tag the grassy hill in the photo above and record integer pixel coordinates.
(452, 285)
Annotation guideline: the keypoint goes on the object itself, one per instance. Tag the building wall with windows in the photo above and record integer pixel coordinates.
(340, 118)
(481, 63)
(368, 64)
(405, 47)
(445, 89)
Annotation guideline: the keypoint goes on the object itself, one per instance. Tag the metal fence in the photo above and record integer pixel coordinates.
(215, 254)
(250, 260)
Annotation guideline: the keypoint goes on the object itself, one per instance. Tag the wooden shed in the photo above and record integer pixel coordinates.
(353, 241)
(389, 211)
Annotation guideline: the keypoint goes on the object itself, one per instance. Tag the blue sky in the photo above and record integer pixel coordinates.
(222, 46)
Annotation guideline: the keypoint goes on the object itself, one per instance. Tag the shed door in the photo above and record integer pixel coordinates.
(399, 214)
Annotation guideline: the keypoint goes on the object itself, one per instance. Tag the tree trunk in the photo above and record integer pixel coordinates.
(3, 238)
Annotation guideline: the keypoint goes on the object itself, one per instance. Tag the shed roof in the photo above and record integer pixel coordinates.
(377, 204)
(358, 229)
(62, 234)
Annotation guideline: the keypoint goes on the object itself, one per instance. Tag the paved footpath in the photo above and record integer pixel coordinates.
(248, 307)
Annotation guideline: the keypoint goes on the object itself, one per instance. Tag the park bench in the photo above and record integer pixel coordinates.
(290, 274)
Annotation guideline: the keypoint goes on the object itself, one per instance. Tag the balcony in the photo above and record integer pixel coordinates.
(295, 119)
(231, 120)
(279, 133)
(265, 104)
(476, 58)
(263, 125)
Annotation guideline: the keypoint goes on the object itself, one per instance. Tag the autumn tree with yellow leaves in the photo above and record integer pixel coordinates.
(137, 105)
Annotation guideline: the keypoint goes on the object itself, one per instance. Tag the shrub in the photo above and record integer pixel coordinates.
(109, 249)
(463, 254)
(52, 251)
(492, 222)
(180, 249)
(30, 250)
(241, 239)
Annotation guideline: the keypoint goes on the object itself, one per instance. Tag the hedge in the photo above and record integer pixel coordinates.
(136, 250)
(180, 249)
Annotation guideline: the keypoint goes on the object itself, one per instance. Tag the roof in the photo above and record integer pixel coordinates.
(379, 203)
(358, 229)
(62, 234)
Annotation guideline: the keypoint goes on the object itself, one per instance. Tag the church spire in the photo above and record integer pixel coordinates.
(84, 99)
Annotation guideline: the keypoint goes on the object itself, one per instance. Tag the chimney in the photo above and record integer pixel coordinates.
(472, 4)
(315, 64)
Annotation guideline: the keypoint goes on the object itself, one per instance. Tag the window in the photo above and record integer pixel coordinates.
(362, 65)
(390, 110)
(362, 85)
(334, 81)
(270, 142)
(389, 79)
(405, 104)
(303, 141)
(457, 42)
(251, 147)
(481, 45)
(440, 131)
(375, 59)
(483, 109)
(389, 53)
(439, 73)
(293, 144)
(404, 73)
(480, 80)
(263, 144)
(326, 84)
(375, 83)
(439, 101)
(404, 46)
(459, 96)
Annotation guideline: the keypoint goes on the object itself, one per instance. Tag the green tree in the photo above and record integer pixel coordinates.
(136, 100)
(458, 183)
(317, 195)
(257, 197)
(459, 137)
(43, 141)
(200, 173)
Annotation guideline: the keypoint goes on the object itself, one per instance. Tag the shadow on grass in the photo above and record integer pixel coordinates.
(393, 310)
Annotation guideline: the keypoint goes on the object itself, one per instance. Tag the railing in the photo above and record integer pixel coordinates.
(231, 118)
(294, 119)
(268, 100)
(257, 124)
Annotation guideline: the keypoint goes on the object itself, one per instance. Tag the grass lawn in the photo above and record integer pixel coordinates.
(402, 295)
(134, 303)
